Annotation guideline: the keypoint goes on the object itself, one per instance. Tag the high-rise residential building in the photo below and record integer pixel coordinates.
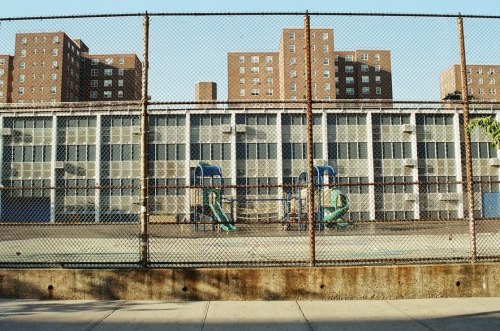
(6, 63)
(253, 76)
(52, 67)
(110, 77)
(483, 81)
(359, 74)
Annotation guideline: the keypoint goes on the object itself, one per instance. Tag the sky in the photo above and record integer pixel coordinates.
(186, 49)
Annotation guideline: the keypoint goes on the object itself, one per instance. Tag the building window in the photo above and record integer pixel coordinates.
(480, 91)
(53, 90)
(493, 91)
(242, 93)
(121, 72)
(254, 59)
(479, 71)
(53, 76)
(255, 91)
(325, 35)
(364, 68)
(23, 53)
(255, 81)
(120, 94)
(366, 90)
(325, 48)
(326, 61)
(121, 60)
(255, 70)
(470, 91)
(108, 83)
(376, 57)
(326, 73)
(1, 83)
(108, 72)
(349, 69)
(349, 80)
(293, 61)
(491, 81)
(365, 79)
(291, 48)
(269, 59)
(120, 82)
(55, 40)
(377, 68)
(377, 79)
(480, 81)
(2, 61)
(94, 83)
(349, 91)
(242, 81)
(93, 72)
(378, 90)
(269, 92)
(242, 70)
(327, 86)
(349, 58)
(337, 91)
(269, 70)
(291, 35)
(242, 59)
(55, 51)
(95, 62)
(108, 60)
(93, 94)
(21, 78)
(269, 80)
(293, 87)
(293, 74)
(364, 57)
(469, 80)
(20, 90)
(108, 94)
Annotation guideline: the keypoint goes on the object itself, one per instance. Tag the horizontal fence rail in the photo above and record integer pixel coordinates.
(287, 140)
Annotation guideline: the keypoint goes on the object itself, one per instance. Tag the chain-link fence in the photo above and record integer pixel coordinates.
(271, 139)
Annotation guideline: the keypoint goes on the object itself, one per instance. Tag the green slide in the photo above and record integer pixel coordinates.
(340, 203)
(220, 216)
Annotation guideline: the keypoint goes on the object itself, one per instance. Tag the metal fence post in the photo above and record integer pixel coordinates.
(310, 146)
(468, 161)
(144, 150)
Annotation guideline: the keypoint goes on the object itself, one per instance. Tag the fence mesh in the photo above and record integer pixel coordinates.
(223, 153)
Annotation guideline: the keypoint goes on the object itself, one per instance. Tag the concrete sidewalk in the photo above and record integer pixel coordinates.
(423, 314)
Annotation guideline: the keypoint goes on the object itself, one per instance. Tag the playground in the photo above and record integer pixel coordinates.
(207, 201)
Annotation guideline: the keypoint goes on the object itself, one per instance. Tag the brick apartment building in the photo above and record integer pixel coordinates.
(52, 67)
(359, 74)
(483, 81)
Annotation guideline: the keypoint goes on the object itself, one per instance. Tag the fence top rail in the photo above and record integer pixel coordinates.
(55, 17)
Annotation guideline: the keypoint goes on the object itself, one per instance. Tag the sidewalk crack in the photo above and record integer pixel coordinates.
(96, 323)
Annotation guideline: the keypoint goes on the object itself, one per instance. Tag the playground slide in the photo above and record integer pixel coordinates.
(221, 217)
(341, 203)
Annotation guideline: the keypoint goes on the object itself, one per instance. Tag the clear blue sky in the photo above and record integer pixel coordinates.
(420, 48)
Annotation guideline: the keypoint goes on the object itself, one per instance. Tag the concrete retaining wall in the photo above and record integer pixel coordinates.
(364, 282)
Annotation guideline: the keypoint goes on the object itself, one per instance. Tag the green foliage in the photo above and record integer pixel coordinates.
(489, 125)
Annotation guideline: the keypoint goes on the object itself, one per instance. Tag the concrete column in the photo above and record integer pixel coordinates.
(98, 144)
(371, 165)
(279, 155)
(187, 162)
(1, 165)
(414, 156)
(324, 134)
(458, 163)
(53, 158)
(234, 168)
